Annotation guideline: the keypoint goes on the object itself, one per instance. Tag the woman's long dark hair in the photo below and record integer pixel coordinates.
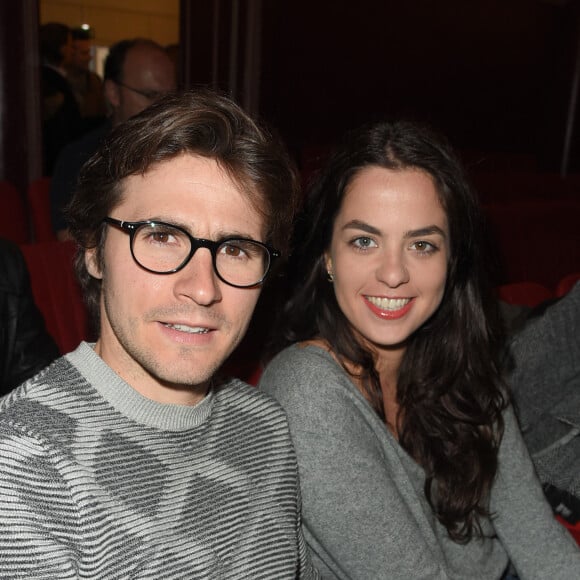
(449, 389)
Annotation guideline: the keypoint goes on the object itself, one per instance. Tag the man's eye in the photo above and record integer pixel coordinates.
(160, 237)
(232, 250)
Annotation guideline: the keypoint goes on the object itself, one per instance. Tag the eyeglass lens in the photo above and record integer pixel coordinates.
(163, 249)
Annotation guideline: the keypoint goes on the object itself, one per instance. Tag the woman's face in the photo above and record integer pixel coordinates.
(389, 254)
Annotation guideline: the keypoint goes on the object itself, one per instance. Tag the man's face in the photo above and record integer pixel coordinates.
(148, 73)
(81, 54)
(66, 51)
(166, 335)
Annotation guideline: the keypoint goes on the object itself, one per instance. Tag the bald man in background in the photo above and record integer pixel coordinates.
(137, 72)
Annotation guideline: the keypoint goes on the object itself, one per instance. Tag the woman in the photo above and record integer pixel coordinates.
(411, 462)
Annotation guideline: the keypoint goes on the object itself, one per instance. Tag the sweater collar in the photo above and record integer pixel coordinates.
(126, 400)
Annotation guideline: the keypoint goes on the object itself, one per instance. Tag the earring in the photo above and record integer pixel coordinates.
(330, 276)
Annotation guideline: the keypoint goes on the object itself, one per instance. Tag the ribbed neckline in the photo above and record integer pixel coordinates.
(132, 404)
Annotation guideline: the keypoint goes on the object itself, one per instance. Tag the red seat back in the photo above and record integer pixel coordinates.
(38, 195)
(566, 283)
(536, 240)
(57, 292)
(13, 215)
(524, 293)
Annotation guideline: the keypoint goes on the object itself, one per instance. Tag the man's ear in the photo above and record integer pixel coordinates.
(112, 96)
(92, 263)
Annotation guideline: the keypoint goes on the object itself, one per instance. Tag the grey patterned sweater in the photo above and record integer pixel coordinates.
(97, 481)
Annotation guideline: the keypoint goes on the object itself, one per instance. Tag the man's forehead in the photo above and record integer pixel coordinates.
(206, 177)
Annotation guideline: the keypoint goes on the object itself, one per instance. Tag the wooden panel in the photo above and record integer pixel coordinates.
(20, 142)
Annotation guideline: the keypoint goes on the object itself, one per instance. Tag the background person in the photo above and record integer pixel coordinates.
(61, 117)
(137, 72)
(132, 457)
(411, 461)
(25, 345)
(544, 375)
(87, 85)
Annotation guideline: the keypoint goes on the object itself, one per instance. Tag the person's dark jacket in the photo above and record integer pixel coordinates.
(25, 345)
(61, 116)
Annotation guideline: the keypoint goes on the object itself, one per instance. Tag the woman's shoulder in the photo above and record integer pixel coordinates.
(298, 368)
(302, 359)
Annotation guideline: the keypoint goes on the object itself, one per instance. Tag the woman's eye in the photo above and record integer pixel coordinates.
(423, 247)
(364, 242)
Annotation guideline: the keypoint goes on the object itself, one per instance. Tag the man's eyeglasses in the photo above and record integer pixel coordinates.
(163, 248)
(150, 95)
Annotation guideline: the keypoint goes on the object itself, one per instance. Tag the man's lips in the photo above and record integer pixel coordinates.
(189, 329)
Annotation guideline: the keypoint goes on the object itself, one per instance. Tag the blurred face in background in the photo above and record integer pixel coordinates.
(148, 73)
(66, 50)
(81, 54)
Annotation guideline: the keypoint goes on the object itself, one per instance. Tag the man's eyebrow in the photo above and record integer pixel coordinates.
(217, 235)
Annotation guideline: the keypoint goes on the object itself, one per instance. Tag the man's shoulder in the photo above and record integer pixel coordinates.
(251, 409)
(41, 402)
(238, 394)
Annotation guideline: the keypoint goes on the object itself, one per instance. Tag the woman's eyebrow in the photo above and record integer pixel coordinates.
(365, 227)
(359, 225)
(426, 231)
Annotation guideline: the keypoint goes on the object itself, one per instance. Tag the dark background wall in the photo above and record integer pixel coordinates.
(495, 75)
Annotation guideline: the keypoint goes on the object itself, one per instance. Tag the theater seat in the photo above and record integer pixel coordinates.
(535, 240)
(566, 283)
(57, 293)
(38, 195)
(524, 293)
(14, 224)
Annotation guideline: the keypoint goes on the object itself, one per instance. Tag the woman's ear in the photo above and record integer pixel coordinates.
(328, 265)
(92, 263)
(328, 262)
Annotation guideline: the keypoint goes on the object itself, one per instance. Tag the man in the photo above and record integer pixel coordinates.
(87, 85)
(137, 72)
(25, 345)
(61, 117)
(132, 458)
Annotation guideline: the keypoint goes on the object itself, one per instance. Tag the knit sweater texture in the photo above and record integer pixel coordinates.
(100, 482)
(365, 514)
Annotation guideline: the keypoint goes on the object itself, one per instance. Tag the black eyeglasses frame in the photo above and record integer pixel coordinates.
(131, 229)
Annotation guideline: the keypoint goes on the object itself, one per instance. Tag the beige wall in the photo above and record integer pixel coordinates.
(113, 20)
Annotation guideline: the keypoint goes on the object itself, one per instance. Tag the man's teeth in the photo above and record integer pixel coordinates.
(190, 329)
(388, 303)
